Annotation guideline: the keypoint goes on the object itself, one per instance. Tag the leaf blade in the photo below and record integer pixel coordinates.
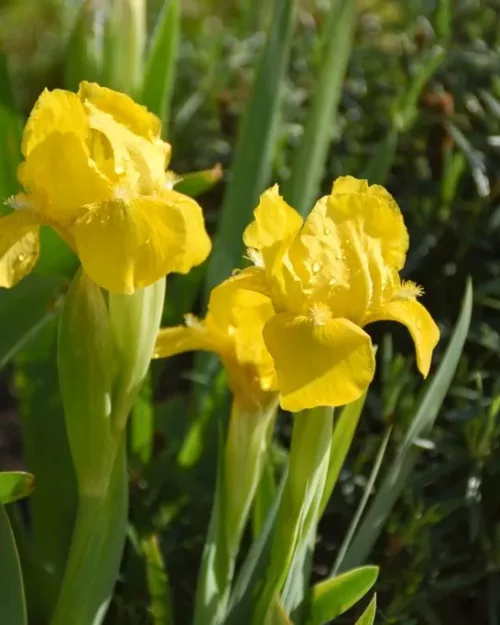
(310, 158)
(404, 462)
(161, 62)
(335, 596)
(252, 160)
(15, 485)
(12, 602)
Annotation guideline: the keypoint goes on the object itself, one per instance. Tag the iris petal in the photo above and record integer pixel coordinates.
(274, 221)
(55, 111)
(128, 244)
(416, 318)
(319, 365)
(60, 177)
(19, 245)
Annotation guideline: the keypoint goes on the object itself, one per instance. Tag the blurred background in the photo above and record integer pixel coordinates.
(419, 111)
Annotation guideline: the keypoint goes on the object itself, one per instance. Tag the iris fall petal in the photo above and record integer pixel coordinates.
(19, 245)
(326, 364)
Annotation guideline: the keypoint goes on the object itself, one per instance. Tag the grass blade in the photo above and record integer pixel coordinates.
(397, 474)
(368, 616)
(10, 137)
(343, 434)
(252, 160)
(84, 53)
(25, 310)
(12, 603)
(308, 166)
(158, 583)
(362, 504)
(161, 61)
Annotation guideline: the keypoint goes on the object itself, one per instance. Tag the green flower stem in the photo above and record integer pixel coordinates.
(96, 551)
(240, 471)
(300, 504)
(104, 350)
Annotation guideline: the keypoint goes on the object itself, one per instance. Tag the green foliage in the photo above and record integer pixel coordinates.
(15, 485)
(161, 62)
(335, 596)
(13, 608)
(251, 169)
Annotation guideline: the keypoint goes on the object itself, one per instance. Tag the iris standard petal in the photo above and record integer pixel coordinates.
(19, 245)
(416, 318)
(60, 178)
(328, 364)
(125, 245)
(54, 111)
(349, 184)
(122, 108)
(139, 162)
(317, 256)
(377, 215)
(274, 221)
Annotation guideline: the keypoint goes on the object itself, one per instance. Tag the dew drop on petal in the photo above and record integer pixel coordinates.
(316, 267)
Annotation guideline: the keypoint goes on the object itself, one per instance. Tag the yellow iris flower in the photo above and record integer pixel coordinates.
(95, 171)
(233, 330)
(327, 278)
(294, 322)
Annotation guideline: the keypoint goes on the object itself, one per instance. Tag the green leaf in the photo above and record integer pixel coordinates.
(335, 596)
(379, 166)
(96, 552)
(343, 434)
(265, 496)
(309, 457)
(251, 167)
(84, 53)
(442, 19)
(12, 603)
(25, 310)
(52, 506)
(161, 60)
(368, 616)
(213, 570)
(398, 473)
(250, 579)
(277, 614)
(406, 107)
(362, 504)
(309, 163)
(160, 606)
(142, 424)
(15, 485)
(10, 137)
(199, 182)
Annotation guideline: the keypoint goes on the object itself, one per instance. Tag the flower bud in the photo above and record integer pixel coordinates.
(135, 321)
(86, 382)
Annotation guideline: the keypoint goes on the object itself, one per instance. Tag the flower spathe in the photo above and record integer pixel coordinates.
(326, 278)
(232, 329)
(95, 171)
